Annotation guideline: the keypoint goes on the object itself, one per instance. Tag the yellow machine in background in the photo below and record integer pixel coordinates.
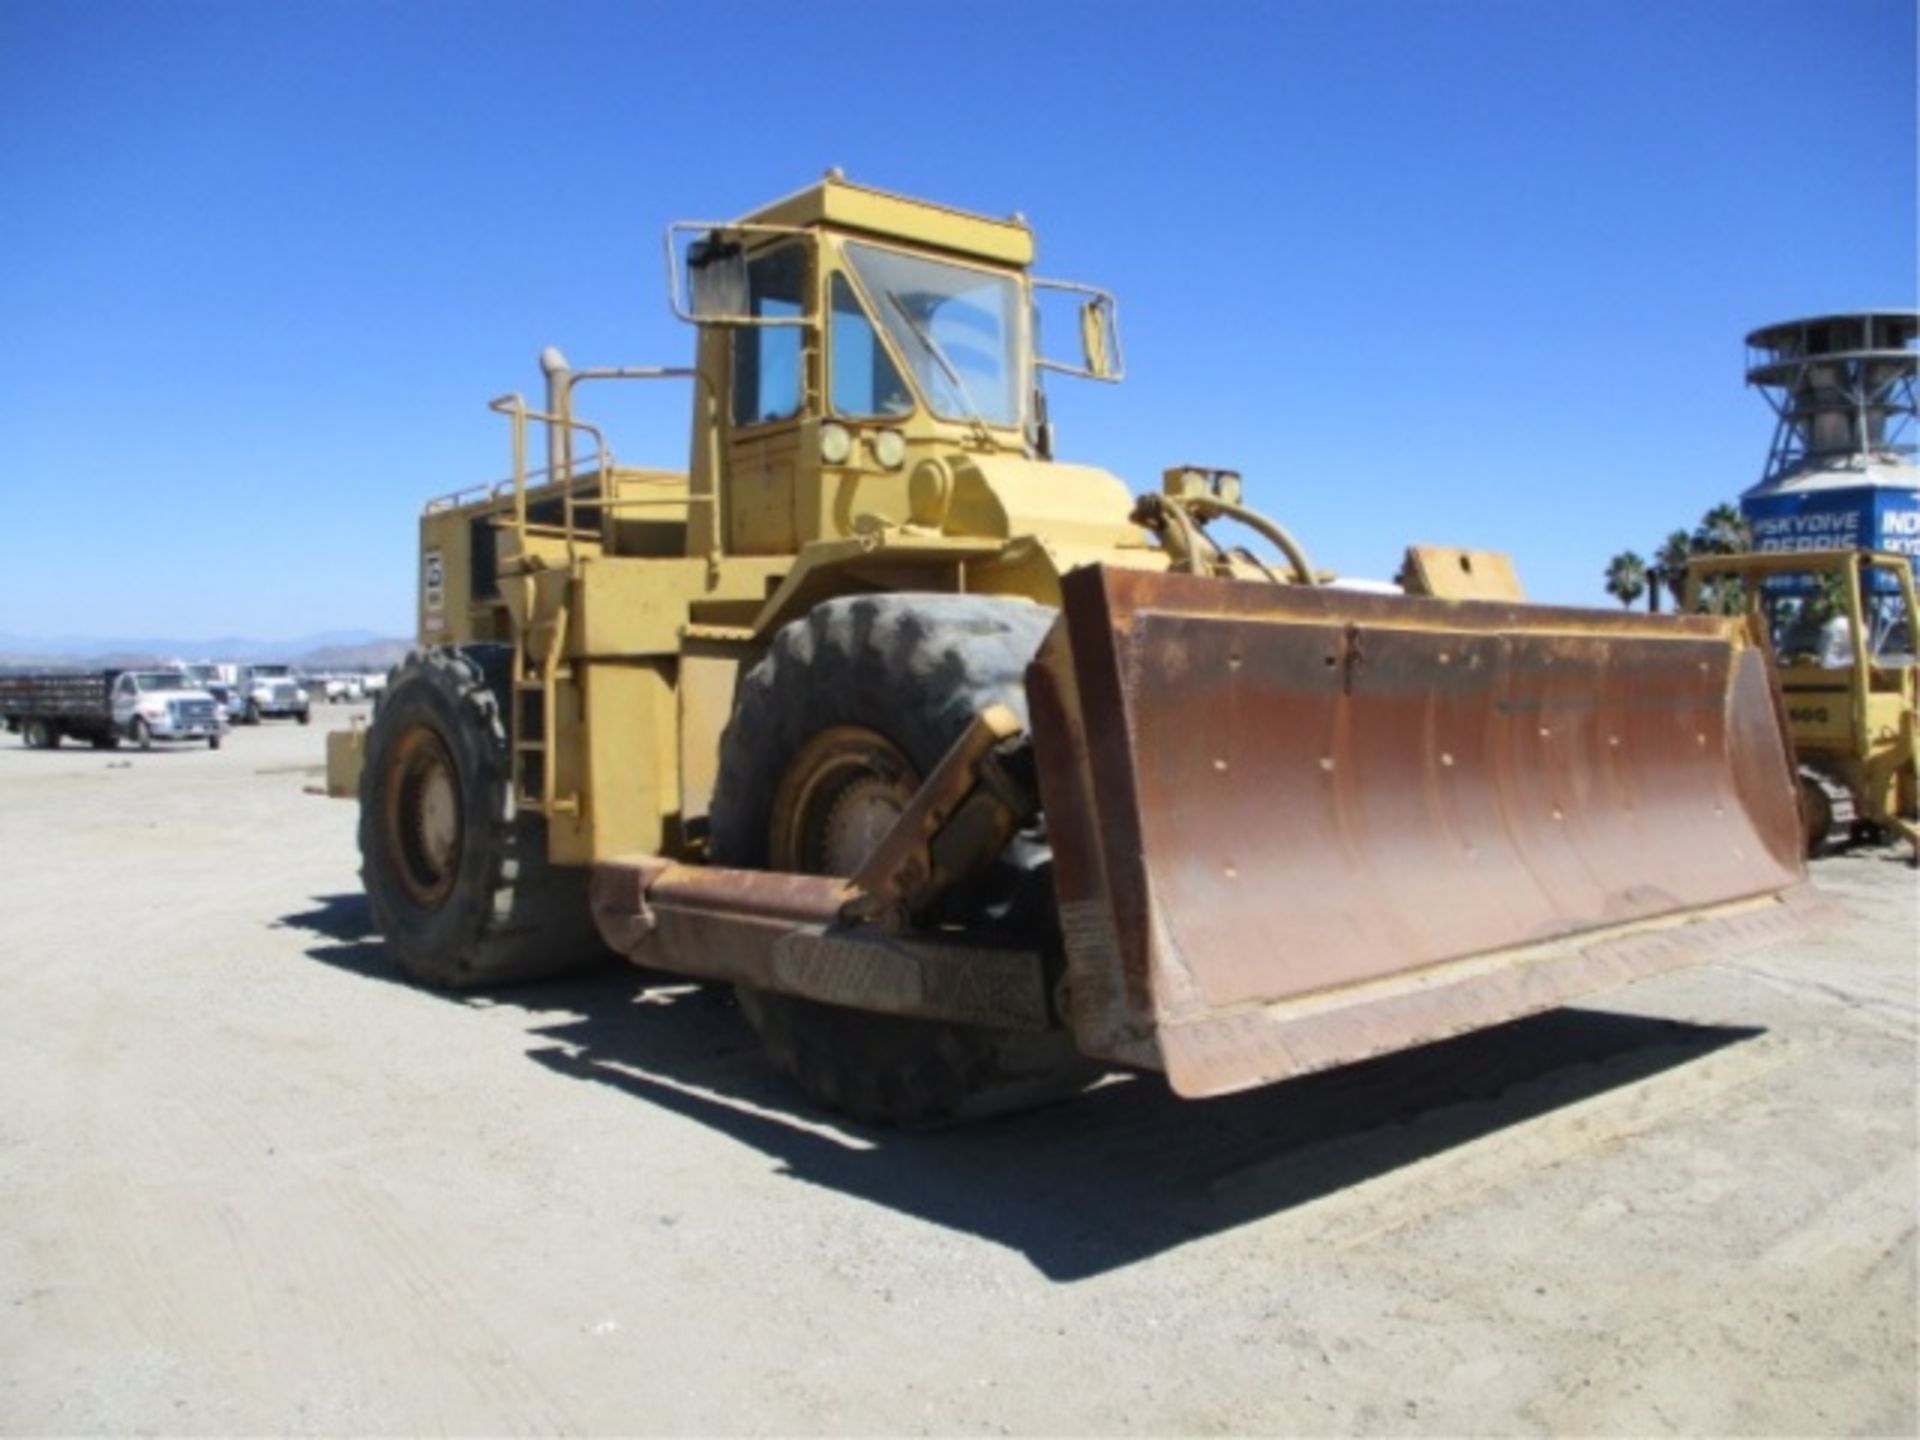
(974, 771)
(1840, 625)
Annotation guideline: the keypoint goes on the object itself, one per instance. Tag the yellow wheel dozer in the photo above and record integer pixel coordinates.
(975, 772)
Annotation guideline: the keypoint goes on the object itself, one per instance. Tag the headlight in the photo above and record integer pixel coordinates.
(301, 696)
(836, 443)
(889, 448)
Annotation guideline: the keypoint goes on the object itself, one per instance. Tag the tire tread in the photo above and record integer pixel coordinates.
(518, 919)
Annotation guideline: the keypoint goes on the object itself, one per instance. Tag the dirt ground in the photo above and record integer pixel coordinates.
(248, 1183)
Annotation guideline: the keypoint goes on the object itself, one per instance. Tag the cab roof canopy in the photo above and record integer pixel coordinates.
(837, 204)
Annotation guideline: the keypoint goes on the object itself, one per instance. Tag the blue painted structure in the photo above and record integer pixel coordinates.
(1879, 517)
(1840, 472)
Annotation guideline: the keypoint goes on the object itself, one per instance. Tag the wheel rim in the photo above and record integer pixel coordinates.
(423, 815)
(838, 797)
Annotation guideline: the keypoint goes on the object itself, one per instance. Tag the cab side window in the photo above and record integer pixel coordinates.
(767, 358)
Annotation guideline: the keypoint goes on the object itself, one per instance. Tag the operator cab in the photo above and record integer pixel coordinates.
(857, 333)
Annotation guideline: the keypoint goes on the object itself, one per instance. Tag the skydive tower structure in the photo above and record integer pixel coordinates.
(1841, 469)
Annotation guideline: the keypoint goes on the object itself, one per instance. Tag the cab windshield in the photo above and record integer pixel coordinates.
(956, 327)
(162, 680)
(270, 672)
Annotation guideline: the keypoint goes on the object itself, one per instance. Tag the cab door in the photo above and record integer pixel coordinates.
(772, 392)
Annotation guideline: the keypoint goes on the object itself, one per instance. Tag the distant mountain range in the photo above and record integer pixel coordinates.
(324, 650)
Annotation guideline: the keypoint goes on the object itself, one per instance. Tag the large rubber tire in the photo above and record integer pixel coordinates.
(915, 669)
(39, 735)
(501, 914)
(142, 733)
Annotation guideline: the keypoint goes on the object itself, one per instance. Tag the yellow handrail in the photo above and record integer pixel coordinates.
(514, 407)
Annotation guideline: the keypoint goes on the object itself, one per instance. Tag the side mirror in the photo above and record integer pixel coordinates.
(1100, 357)
(717, 281)
(1096, 337)
(707, 280)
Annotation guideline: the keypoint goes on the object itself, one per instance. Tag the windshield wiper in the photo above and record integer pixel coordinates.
(932, 347)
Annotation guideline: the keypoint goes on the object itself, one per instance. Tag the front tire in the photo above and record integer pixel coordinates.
(851, 708)
(142, 733)
(458, 881)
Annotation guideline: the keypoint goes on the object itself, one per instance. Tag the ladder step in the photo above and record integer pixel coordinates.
(530, 755)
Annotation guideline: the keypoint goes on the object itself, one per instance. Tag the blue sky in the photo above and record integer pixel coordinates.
(1469, 273)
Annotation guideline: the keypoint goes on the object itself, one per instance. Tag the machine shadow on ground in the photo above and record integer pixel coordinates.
(1118, 1174)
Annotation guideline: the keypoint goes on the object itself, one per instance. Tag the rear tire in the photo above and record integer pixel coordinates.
(458, 882)
(913, 671)
(39, 735)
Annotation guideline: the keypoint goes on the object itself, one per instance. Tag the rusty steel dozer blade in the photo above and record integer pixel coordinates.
(1295, 827)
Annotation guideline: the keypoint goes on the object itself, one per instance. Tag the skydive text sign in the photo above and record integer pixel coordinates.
(1869, 518)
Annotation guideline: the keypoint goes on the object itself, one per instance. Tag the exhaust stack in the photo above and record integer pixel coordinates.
(559, 375)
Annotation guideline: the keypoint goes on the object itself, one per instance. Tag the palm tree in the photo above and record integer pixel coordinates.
(1626, 578)
(1723, 595)
(1672, 557)
(1723, 531)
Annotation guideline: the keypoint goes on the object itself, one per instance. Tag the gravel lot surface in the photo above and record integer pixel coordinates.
(248, 1183)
